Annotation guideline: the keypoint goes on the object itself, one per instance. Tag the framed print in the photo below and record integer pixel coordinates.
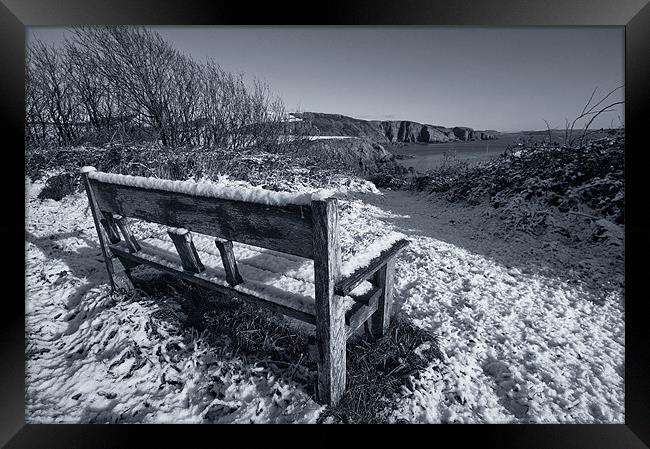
(429, 213)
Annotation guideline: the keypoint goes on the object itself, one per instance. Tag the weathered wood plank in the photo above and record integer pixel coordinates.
(129, 238)
(123, 252)
(313, 353)
(187, 251)
(330, 319)
(360, 301)
(281, 228)
(345, 286)
(110, 227)
(360, 313)
(380, 320)
(229, 263)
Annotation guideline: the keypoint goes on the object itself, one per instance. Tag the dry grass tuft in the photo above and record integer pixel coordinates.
(377, 371)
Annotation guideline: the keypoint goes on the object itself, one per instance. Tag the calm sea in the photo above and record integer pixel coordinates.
(432, 155)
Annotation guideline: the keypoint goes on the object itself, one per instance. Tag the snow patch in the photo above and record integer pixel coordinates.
(178, 231)
(330, 137)
(363, 257)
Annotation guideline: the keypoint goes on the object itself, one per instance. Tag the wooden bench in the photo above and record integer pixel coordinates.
(280, 229)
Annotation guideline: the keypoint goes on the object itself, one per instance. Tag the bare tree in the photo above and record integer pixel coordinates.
(136, 63)
(52, 92)
(104, 78)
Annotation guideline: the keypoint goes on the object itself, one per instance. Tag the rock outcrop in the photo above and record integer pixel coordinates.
(406, 131)
(362, 155)
(386, 131)
(464, 133)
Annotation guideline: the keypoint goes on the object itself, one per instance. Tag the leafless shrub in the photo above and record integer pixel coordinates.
(122, 83)
(591, 110)
(52, 101)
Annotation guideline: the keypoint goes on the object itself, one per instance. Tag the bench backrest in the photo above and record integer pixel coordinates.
(284, 227)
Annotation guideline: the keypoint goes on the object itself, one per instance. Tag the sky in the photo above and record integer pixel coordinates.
(505, 79)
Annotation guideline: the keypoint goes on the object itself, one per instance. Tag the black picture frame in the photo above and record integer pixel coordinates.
(16, 15)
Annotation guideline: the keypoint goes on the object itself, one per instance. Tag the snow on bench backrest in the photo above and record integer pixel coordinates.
(280, 221)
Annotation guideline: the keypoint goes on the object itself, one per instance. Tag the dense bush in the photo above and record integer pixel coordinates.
(589, 178)
(270, 170)
(59, 186)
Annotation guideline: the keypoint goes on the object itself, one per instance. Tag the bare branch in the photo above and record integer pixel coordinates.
(590, 98)
(605, 109)
(548, 130)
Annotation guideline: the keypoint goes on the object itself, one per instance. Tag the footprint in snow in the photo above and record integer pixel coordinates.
(512, 396)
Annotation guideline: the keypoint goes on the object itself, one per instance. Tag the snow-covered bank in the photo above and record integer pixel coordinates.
(525, 339)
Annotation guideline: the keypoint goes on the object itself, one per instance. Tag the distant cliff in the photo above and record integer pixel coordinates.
(321, 124)
(363, 155)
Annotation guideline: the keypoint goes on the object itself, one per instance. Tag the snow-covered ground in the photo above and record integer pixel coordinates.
(526, 339)
(528, 336)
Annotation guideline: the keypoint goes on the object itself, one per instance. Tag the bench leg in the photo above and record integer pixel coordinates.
(331, 355)
(330, 317)
(380, 320)
(125, 276)
(116, 279)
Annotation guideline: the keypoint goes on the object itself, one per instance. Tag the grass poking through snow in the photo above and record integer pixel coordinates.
(376, 369)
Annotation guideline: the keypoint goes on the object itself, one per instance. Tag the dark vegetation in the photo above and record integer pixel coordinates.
(59, 186)
(314, 164)
(591, 176)
(529, 183)
(177, 164)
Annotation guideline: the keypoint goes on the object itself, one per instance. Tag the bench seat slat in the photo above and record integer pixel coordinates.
(349, 283)
(141, 257)
(284, 278)
(154, 252)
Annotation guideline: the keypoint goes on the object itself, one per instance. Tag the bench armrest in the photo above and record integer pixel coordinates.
(349, 283)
